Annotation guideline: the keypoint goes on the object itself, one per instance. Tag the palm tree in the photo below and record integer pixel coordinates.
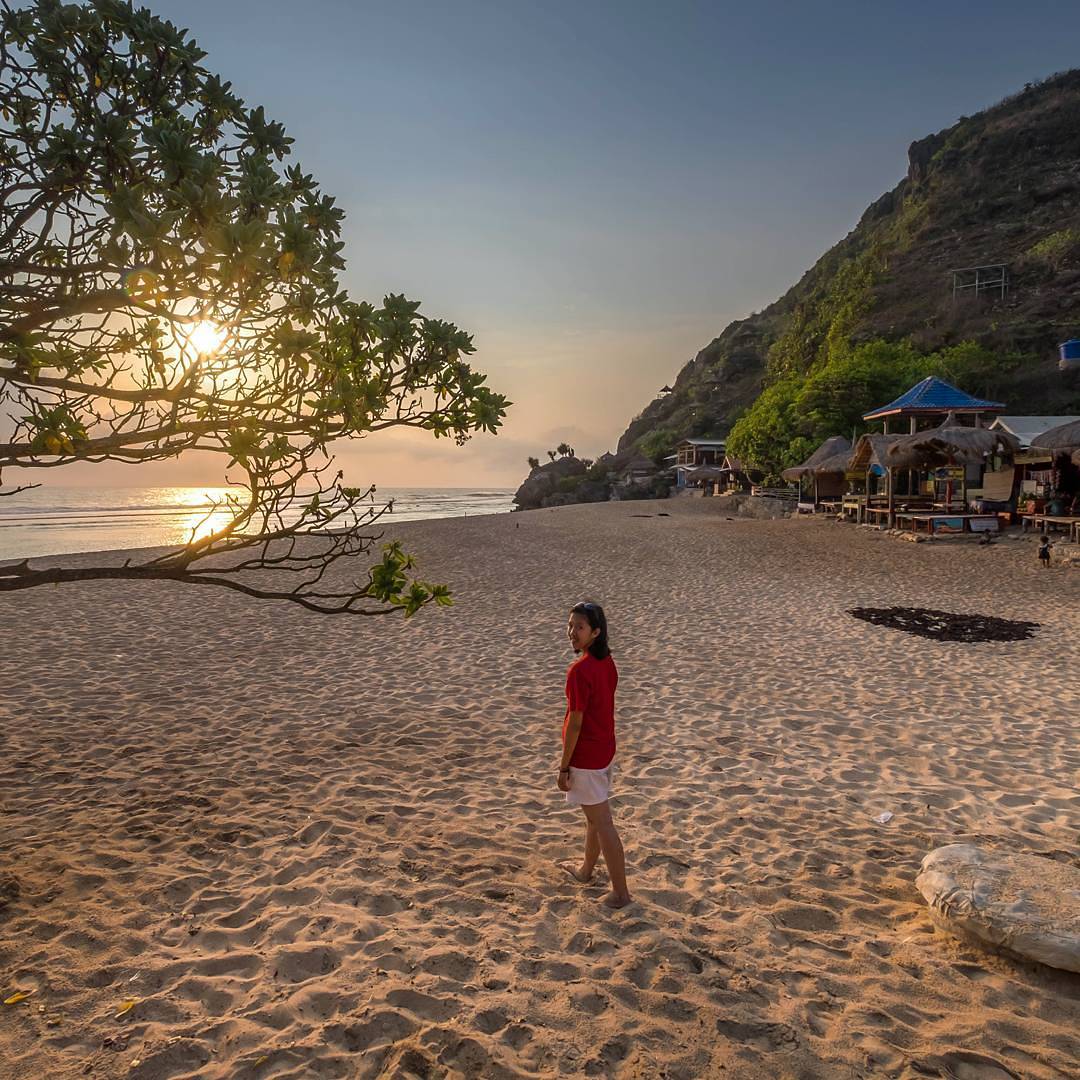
(534, 463)
(563, 449)
(551, 454)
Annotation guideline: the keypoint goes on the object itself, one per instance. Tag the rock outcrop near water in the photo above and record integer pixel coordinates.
(542, 486)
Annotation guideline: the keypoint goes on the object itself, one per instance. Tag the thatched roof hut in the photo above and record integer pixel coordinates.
(948, 444)
(830, 457)
(870, 451)
(1064, 438)
(740, 473)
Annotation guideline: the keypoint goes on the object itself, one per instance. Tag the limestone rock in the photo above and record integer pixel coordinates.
(1024, 904)
(542, 484)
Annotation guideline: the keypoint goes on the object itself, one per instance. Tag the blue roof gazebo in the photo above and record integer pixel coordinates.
(931, 399)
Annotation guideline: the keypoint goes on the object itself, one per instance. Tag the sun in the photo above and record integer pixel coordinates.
(206, 337)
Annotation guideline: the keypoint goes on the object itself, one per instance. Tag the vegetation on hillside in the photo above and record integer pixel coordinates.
(797, 412)
(877, 313)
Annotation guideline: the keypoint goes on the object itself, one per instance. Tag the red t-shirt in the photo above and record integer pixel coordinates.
(590, 690)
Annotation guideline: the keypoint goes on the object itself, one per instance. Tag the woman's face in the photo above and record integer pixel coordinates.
(580, 633)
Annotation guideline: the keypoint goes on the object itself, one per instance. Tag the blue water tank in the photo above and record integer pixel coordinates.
(1070, 354)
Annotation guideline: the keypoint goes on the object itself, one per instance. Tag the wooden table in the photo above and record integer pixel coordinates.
(852, 506)
(1067, 523)
(936, 524)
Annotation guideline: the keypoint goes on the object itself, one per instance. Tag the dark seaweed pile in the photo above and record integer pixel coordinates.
(947, 626)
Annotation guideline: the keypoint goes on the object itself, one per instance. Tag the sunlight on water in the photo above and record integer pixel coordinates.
(204, 518)
(55, 520)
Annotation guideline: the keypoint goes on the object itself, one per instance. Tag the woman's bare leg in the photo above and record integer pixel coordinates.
(592, 853)
(599, 817)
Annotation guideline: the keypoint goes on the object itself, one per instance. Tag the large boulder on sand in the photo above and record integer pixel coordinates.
(1024, 904)
(543, 483)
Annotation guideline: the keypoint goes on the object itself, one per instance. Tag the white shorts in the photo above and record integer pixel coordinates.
(590, 786)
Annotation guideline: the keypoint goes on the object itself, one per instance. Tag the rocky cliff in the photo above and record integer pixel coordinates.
(1001, 187)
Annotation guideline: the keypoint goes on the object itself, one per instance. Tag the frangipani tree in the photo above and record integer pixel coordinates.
(168, 285)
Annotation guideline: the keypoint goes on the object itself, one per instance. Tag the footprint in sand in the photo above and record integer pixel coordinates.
(425, 1006)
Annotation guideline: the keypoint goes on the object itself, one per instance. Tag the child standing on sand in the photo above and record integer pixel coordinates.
(1044, 550)
(585, 772)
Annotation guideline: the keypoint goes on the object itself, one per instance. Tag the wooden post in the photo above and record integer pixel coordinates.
(888, 474)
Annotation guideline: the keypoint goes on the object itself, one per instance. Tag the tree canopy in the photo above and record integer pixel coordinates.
(168, 284)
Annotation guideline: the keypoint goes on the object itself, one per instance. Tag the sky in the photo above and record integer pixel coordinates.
(596, 189)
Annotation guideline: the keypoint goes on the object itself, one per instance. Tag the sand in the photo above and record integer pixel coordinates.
(250, 841)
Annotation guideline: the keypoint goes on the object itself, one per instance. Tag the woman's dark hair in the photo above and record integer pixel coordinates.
(596, 618)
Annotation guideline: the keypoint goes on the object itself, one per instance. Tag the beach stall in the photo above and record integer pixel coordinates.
(638, 470)
(691, 454)
(1033, 466)
(867, 478)
(737, 476)
(946, 453)
(927, 403)
(821, 477)
(1061, 507)
(706, 477)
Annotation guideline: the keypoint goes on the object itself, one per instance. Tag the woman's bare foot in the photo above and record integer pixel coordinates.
(615, 900)
(578, 874)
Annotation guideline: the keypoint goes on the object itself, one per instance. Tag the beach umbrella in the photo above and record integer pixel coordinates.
(705, 472)
(1064, 437)
(949, 444)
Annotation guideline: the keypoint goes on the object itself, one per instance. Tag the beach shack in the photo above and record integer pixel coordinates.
(911, 483)
(1036, 476)
(948, 453)
(822, 476)
(927, 403)
(867, 477)
(1061, 506)
(737, 476)
(691, 454)
(638, 470)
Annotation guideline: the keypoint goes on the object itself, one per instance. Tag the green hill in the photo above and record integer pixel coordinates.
(877, 313)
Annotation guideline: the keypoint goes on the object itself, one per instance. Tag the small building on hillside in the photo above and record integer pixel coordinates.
(693, 454)
(928, 403)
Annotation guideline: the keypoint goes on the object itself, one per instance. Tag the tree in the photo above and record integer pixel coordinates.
(551, 454)
(167, 285)
(796, 413)
(534, 463)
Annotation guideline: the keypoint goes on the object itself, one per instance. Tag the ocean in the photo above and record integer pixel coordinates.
(57, 520)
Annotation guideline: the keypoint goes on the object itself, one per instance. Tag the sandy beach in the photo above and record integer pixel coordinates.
(239, 840)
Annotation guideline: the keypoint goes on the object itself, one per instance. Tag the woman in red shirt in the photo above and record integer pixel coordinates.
(585, 772)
